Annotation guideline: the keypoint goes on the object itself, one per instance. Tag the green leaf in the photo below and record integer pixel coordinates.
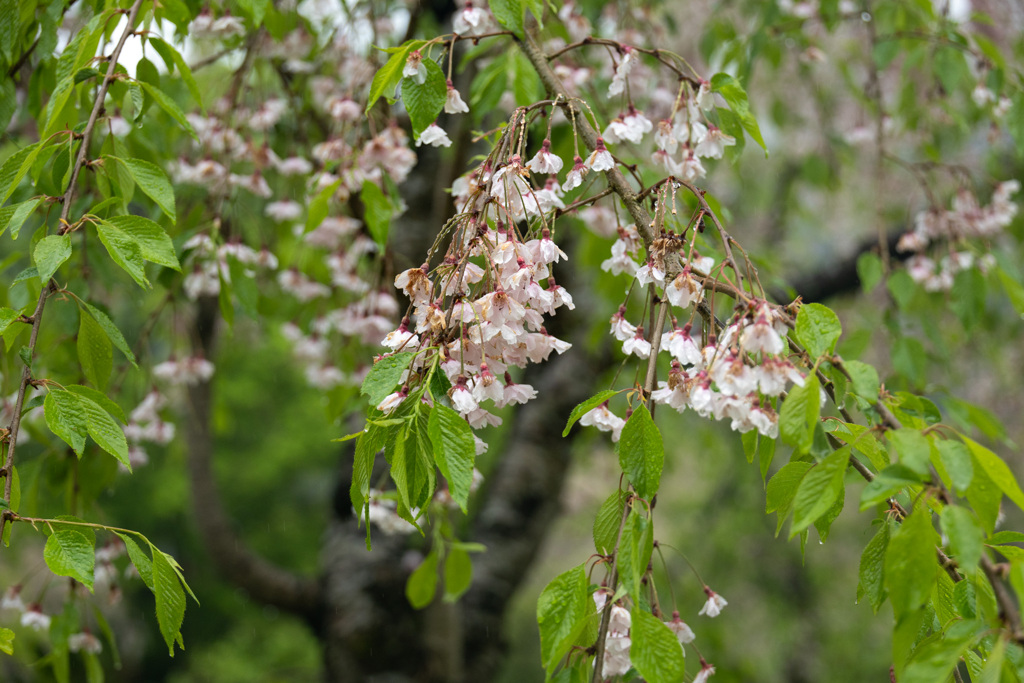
(454, 450)
(172, 58)
(111, 331)
(642, 453)
(152, 180)
(634, 552)
(510, 14)
(655, 651)
(95, 353)
(388, 76)
(15, 215)
(585, 407)
(872, 569)
(887, 483)
(369, 444)
(319, 207)
(818, 329)
(865, 379)
(910, 563)
(997, 470)
(71, 553)
(124, 250)
(378, 213)
(385, 375)
(782, 488)
(105, 431)
(412, 466)
(67, 418)
(50, 253)
(965, 536)
(819, 489)
(800, 415)
(154, 242)
(985, 497)
(736, 97)
(562, 611)
(912, 448)
(424, 101)
(607, 522)
(7, 639)
(170, 599)
(14, 169)
(955, 461)
(172, 109)
(869, 271)
(935, 660)
(422, 583)
(458, 574)
(140, 559)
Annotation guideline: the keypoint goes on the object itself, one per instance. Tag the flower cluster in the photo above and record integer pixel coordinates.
(145, 424)
(966, 219)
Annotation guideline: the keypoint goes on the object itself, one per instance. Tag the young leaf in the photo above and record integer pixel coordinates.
(510, 14)
(997, 470)
(642, 453)
(172, 109)
(105, 431)
(818, 329)
(114, 334)
(66, 417)
(95, 353)
(388, 76)
(800, 415)
(872, 569)
(458, 574)
(370, 442)
(454, 450)
(865, 379)
(172, 57)
(965, 536)
(7, 637)
(655, 650)
(912, 448)
(50, 253)
(910, 562)
(422, 583)
(140, 559)
(607, 522)
(819, 490)
(170, 599)
(378, 213)
(71, 553)
(152, 180)
(154, 242)
(634, 552)
(385, 375)
(585, 407)
(125, 252)
(424, 101)
(782, 488)
(562, 611)
(736, 97)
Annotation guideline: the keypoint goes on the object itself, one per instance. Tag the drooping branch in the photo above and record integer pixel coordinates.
(264, 581)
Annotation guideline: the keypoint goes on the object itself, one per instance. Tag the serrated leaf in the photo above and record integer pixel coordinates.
(124, 251)
(887, 483)
(585, 407)
(412, 467)
(562, 611)
(608, 521)
(634, 552)
(143, 564)
(421, 586)
(378, 212)
(95, 352)
(172, 109)
(800, 415)
(424, 101)
(71, 553)
(454, 450)
(385, 375)
(66, 417)
(7, 316)
(818, 329)
(819, 489)
(15, 215)
(105, 431)
(152, 180)
(14, 169)
(872, 568)
(997, 470)
(865, 379)
(154, 242)
(50, 253)
(369, 444)
(458, 574)
(912, 448)
(910, 563)
(510, 14)
(655, 651)
(114, 334)
(965, 536)
(642, 453)
(736, 97)
(387, 78)
(170, 599)
(169, 54)
(782, 488)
